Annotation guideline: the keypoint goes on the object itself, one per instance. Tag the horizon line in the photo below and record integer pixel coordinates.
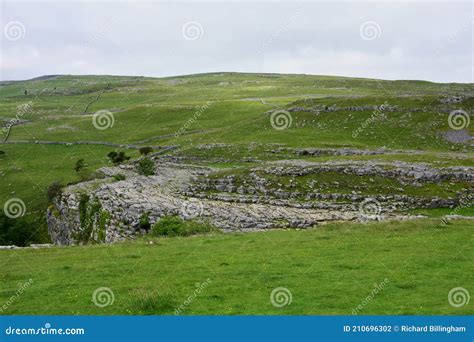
(38, 78)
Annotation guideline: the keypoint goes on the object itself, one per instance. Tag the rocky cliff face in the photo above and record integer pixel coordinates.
(108, 211)
(111, 212)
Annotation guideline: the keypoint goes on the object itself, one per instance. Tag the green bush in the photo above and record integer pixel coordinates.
(145, 150)
(144, 222)
(146, 167)
(176, 226)
(117, 157)
(80, 164)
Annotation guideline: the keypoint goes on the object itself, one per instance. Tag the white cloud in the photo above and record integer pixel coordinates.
(430, 41)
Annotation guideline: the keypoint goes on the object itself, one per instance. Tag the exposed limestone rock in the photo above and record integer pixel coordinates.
(452, 99)
(461, 136)
(348, 152)
(107, 211)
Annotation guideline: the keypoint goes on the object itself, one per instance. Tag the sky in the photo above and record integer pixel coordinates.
(387, 40)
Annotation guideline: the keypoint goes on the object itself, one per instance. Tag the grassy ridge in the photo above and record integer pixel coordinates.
(328, 270)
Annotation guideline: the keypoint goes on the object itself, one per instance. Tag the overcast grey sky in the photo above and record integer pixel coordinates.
(415, 40)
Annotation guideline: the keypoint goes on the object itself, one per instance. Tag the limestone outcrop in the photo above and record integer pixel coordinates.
(105, 210)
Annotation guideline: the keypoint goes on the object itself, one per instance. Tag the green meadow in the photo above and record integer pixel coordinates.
(329, 270)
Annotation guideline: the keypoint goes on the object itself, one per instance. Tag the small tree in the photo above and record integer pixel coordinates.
(79, 165)
(145, 150)
(146, 167)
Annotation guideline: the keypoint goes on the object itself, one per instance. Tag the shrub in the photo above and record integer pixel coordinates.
(145, 150)
(2, 153)
(176, 226)
(168, 226)
(144, 222)
(54, 190)
(146, 167)
(112, 155)
(118, 157)
(80, 164)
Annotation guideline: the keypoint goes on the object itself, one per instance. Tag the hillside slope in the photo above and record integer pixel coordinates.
(236, 122)
(155, 109)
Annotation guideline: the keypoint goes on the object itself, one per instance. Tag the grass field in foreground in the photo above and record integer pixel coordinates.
(328, 270)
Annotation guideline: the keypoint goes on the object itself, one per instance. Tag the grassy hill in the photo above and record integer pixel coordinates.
(146, 108)
(227, 121)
